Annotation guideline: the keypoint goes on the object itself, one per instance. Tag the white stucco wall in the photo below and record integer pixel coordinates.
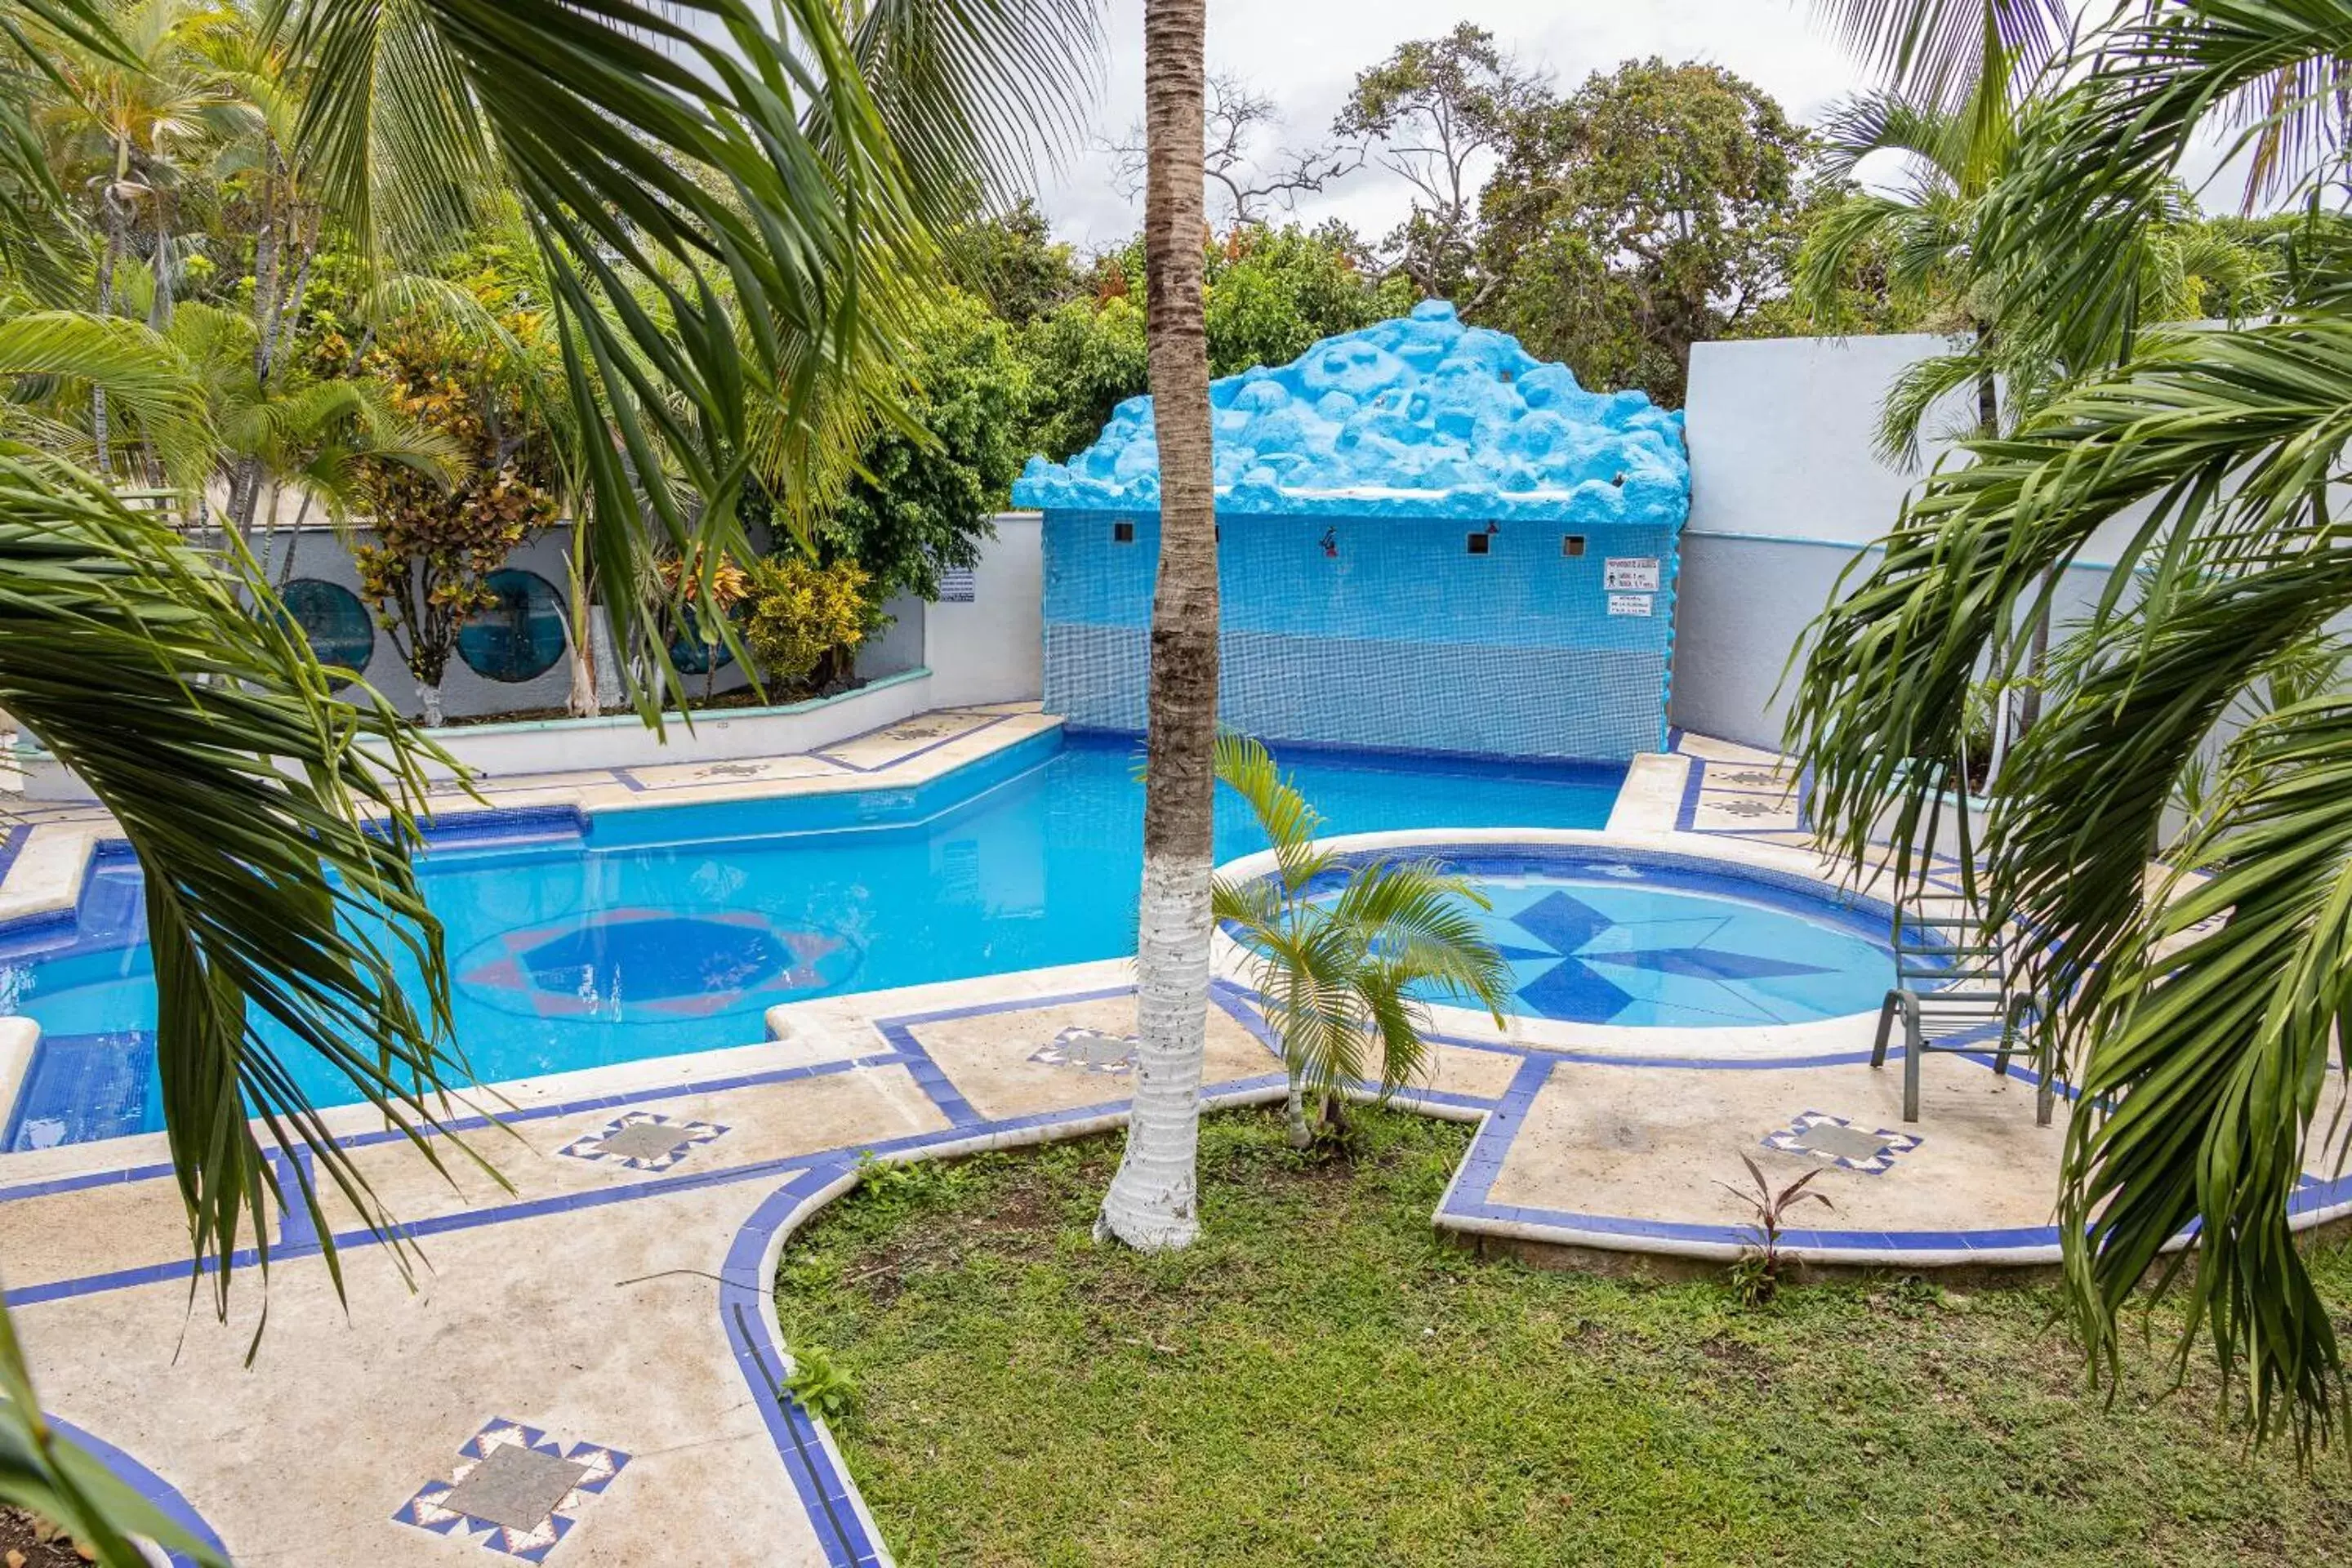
(1786, 491)
(992, 648)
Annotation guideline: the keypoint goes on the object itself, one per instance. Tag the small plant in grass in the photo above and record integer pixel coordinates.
(1755, 1277)
(894, 1188)
(823, 1388)
(1338, 952)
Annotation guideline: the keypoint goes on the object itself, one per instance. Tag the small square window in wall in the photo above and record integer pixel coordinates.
(1122, 533)
(1477, 543)
(1571, 544)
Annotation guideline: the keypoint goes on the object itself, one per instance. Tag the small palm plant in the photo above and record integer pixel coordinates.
(1339, 952)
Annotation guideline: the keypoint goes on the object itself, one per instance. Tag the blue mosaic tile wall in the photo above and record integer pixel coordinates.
(1381, 632)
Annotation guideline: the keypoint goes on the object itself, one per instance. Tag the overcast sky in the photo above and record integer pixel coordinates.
(1305, 54)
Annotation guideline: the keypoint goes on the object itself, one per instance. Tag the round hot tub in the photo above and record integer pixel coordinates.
(1623, 936)
(1606, 939)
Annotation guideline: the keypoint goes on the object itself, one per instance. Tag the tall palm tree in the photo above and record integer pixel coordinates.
(1925, 230)
(1972, 57)
(1152, 1203)
(2203, 1021)
(129, 127)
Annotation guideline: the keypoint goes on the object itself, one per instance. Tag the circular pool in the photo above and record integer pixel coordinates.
(1603, 934)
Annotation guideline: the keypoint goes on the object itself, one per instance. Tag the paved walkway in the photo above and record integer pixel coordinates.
(583, 1364)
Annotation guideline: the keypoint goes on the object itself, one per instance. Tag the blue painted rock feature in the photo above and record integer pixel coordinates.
(1418, 418)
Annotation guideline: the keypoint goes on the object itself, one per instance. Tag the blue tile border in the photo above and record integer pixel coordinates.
(153, 1487)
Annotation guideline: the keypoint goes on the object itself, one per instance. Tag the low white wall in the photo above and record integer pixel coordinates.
(623, 741)
(992, 648)
(1742, 604)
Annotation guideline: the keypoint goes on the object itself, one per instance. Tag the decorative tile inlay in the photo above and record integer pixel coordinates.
(1089, 1050)
(1647, 961)
(1749, 778)
(663, 962)
(644, 1141)
(1841, 1143)
(515, 1488)
(1749, 805)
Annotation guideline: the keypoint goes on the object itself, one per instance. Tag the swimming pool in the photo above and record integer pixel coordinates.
(1601, 937)
(642, 933)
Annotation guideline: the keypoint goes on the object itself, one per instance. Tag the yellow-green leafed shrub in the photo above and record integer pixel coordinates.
(799, 613)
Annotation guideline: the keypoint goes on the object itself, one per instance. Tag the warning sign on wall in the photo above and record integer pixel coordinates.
(1629, 604)
(1630, 574)
(956, 586)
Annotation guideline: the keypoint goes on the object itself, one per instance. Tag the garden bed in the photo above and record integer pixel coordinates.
(1321, 1380)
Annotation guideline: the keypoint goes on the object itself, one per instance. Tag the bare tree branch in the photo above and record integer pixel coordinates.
(1238, 117)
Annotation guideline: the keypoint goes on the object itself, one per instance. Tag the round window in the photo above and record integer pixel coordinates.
(336, 625)
(520, 636)
(694, 658)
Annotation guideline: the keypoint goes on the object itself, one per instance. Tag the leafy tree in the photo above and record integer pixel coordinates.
(916, 505)
(801, 616)
(1859, 296)
(1012, 260)
(1337, 955)
(1083, 359)
(1272, 293)
(1655, 207)
(1430, 113)
(434, 544)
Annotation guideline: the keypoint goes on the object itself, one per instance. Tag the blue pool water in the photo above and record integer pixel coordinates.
(1596, 939)
(674, 929)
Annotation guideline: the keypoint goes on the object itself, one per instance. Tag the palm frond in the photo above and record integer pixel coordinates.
(1949, 51)
(2213, 1045)
(2102, 157)
(273, 824)
(1855, 126)
(2221, 447)
(1244, 766)
(139, 370)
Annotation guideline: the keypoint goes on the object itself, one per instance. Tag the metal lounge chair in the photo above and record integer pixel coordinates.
(1952, 977)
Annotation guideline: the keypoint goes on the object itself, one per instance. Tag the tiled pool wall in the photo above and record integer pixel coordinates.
(1384, 633)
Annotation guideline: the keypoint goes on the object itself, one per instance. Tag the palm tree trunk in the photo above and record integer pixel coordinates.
(2029, 700)
(1150, 1203)
(106, 266)
(1294, 1112)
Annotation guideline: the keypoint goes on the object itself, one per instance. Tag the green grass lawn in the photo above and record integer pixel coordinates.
(1321, 1381)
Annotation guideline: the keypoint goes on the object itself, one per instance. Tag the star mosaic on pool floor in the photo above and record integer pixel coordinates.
(514, 1490)
(642, 1141)
(1631, 956)
(1841, 1143)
